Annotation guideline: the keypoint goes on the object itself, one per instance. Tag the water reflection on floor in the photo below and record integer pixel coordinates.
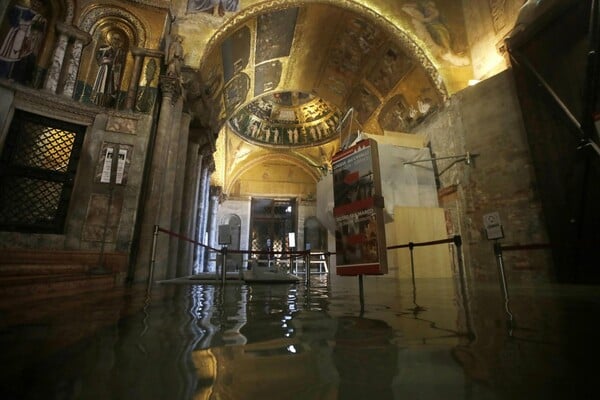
(284, 341)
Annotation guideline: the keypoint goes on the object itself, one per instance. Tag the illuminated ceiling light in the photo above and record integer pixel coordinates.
(473, 82)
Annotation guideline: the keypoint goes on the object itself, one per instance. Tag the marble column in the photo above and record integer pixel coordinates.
(215, 196)
(202, 214)
(180, 144)
(158, 208)
(80, 40)
(189, 209)
(58, 56)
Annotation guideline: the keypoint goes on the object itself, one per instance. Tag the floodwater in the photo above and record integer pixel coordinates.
(433, 340)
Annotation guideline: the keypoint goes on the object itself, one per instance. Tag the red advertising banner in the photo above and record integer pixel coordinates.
(358, 211)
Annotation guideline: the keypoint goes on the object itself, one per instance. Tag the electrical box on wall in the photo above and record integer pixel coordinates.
(493, 226)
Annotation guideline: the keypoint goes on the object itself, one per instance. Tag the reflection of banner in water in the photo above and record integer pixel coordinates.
(360, 243)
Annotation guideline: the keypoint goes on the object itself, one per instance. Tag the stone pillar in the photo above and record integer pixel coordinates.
(134, 83)
(158, 208)
(69, 73)
(58, 57)
(179, 153)
(215, 196)
(202, 212)
(189, 211)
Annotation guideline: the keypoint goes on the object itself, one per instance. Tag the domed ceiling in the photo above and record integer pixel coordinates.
(286, 119)
(334, 56)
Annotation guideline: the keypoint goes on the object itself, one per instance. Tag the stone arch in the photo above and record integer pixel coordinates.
(406, 42)
(289, 159)
(91, 17)
(101, 24)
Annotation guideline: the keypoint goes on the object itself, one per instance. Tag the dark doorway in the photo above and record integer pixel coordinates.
(272, 219)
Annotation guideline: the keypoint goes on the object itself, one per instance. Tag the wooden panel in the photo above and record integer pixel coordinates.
(420, 224)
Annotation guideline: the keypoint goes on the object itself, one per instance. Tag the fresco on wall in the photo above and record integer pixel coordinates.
(398, 115)
(393, 66)
(364, 103)
(356, 40)
(235, 52)
(22, 33)
(431, 27)
(274, 34)
(214, 7)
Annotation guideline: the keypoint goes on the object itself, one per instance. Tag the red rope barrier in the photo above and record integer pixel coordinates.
(431, 243)
(187, 239)
(297, 254)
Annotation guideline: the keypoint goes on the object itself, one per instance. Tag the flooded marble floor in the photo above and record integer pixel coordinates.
(280, 341)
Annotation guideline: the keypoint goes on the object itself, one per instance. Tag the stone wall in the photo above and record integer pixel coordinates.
(488, 22)
(101, 215)
(486, 121)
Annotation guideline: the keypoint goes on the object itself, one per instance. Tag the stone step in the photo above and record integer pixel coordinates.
(26, 287)
(10, 270)
(36, 274)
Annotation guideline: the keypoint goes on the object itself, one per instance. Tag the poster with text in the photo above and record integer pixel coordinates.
(358, 211)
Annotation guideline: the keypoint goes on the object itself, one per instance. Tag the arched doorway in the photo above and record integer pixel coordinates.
(234, 261)
(315, 235)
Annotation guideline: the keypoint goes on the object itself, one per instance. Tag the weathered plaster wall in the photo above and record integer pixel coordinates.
(486, 120)
(487, 22)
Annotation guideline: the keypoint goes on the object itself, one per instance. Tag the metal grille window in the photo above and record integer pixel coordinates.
(37, 170)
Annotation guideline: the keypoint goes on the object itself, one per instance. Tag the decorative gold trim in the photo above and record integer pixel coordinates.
(404, 40)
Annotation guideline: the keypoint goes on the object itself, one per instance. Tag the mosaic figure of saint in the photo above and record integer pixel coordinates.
(19, 49)
(108, 78)
(428, 24)
(175, 57)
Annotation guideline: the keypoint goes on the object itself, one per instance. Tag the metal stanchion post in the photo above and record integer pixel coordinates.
(307, 266)
(152, 255)
(417, 308)
(328, 262)
(463, 285)
(223, 264)
(411, 247)
(500, 261)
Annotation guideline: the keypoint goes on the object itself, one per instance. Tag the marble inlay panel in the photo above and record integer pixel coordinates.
(121, 124)
(101, 223)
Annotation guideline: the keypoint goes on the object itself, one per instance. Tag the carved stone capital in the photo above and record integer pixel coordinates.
(206, 150)
(171, 87)
(74, 32)
(216, 191)
(208, 162)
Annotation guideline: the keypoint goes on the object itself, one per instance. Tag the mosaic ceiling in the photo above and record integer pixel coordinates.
(284, 77)
(286, 119)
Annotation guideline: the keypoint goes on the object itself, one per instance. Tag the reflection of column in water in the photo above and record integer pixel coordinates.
(233, 336)
(203, 310)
